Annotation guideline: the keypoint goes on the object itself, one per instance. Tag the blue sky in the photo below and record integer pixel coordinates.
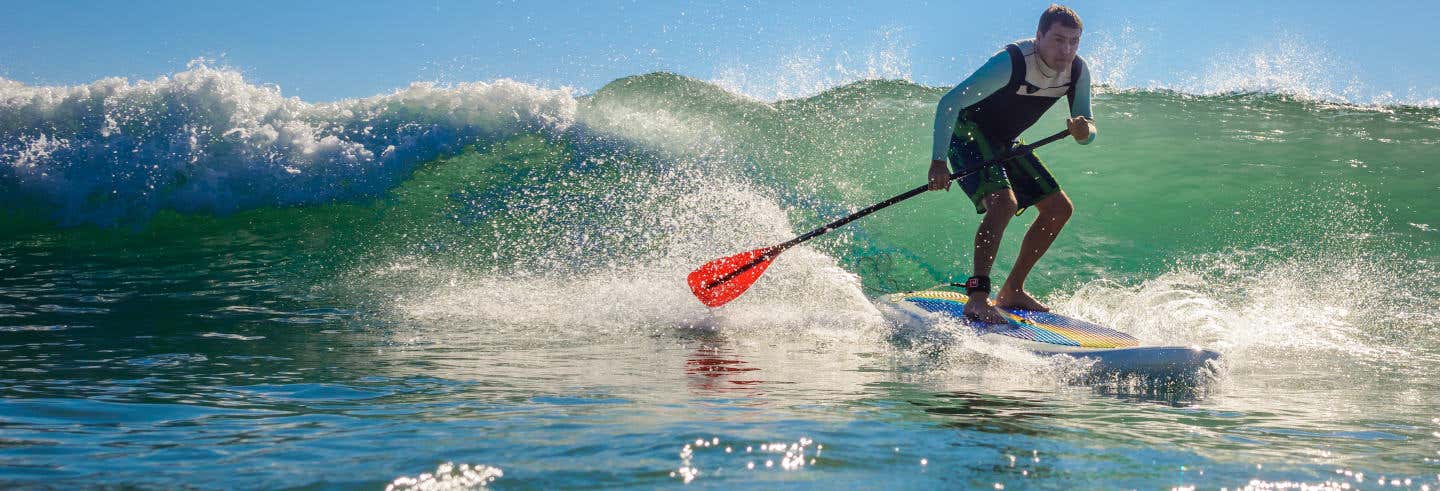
(323, 51)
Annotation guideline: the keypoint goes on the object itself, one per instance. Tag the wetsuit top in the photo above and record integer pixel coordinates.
(1009, 93)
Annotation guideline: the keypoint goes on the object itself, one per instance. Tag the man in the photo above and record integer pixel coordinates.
(982, 118)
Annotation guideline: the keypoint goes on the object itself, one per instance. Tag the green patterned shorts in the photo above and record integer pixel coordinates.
(1025, 174)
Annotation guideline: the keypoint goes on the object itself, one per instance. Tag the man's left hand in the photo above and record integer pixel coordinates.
(1079, 128)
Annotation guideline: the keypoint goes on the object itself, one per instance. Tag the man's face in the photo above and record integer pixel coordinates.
(1057, 45)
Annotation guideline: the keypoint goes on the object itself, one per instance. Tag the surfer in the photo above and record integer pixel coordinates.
(983, 117)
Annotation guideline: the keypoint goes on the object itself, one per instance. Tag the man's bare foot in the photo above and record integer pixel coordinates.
(979, 308)
(1018, 299)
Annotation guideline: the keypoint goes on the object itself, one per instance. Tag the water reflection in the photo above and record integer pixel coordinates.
(715, 370)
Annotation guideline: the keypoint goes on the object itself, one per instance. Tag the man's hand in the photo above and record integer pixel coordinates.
(1079, 128)
(939, 175)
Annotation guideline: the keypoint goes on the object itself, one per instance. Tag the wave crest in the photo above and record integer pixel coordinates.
(206, 140)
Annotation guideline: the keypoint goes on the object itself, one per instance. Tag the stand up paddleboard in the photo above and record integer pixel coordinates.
(1052, 334)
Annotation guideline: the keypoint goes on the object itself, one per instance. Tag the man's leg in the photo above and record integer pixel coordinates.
(1054, 211)
(1000, 207)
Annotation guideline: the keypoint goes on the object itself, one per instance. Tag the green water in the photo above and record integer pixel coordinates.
(518, 303)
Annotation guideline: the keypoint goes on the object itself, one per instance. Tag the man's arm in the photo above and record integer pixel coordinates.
(1080, 108)
(990, 78)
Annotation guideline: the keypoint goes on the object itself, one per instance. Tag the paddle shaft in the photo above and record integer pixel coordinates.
(777, 249)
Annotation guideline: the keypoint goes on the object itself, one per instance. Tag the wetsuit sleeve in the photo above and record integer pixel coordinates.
(1080, 104)
(990, 78)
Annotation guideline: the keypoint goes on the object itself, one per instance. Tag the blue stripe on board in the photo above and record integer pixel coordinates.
(1041, 334)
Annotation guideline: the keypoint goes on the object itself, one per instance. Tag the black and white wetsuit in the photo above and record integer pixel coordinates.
(984, 116)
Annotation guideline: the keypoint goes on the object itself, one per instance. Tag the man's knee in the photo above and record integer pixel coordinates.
(1056, 206)
(1001, 203)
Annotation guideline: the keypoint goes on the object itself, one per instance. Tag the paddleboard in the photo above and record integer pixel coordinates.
(1052, 334)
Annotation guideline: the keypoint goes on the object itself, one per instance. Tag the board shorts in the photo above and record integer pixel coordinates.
(1025, 174)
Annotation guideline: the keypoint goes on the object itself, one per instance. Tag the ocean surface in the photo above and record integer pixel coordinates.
(206, 284)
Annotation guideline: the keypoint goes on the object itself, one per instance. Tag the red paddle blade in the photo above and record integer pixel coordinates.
(720, 281)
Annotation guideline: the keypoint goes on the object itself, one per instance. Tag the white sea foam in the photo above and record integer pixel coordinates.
(1283, 63)
(806, 71)
(704, 216)
(1255, 304)
(1111, 56)
(208, 140)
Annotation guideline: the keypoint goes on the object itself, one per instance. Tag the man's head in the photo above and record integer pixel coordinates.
(1058, 36)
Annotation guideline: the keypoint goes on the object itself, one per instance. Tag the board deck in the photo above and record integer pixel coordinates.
(1049, 333)
(1039, 327)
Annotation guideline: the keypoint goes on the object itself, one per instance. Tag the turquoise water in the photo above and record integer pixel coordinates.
(205, 284)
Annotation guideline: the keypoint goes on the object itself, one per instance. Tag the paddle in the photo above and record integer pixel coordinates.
(722, 280)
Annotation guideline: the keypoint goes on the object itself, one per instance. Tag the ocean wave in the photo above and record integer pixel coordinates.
(206, 140)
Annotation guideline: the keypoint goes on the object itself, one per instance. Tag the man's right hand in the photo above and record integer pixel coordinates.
(939, 175)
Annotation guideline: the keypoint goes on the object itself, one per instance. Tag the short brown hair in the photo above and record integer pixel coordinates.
(1059, 13)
